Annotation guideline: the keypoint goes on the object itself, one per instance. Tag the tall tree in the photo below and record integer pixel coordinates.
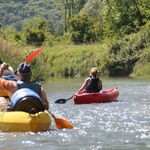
(72, 7)
(124, 16)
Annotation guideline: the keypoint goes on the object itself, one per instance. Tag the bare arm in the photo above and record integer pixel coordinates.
(3, 67)
(44, 98)
(82, 89)
(8, 86)
(100, 84)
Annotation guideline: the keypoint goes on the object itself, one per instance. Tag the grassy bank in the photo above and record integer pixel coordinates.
(73, 60)
(120, 57)
(129, 56)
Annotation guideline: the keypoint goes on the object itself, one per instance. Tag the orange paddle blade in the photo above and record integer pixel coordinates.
(61, 123)
(33, 55)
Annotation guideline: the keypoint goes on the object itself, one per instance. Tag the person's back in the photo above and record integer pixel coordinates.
(35, 86)
(92, 83)
(93, 86)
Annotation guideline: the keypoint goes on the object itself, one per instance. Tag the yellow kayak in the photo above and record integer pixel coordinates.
(18, 121)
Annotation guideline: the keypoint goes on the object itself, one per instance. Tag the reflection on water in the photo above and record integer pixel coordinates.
(121, 125)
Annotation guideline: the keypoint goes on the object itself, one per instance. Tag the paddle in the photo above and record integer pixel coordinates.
(61, 123)
(62, 101)
(33, 55)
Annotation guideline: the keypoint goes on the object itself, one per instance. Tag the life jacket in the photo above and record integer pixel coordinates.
(93, 86)
(35, 86)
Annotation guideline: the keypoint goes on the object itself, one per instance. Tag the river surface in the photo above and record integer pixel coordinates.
(122, 125)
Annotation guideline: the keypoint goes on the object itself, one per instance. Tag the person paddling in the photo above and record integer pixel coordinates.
(92, 84)
(24, 77)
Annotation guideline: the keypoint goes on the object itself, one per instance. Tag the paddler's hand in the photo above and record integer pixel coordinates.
(3, 67)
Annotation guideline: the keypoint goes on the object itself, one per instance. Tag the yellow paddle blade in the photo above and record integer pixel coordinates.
(61, 123)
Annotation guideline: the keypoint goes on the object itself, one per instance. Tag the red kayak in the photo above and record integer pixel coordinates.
(100, 97)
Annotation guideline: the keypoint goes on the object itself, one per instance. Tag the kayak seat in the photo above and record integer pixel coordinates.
(28, 104)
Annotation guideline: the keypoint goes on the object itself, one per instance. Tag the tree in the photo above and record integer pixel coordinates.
(124, 16)
(35, 37)
(72, 8)
(82, 29)
(36, 30)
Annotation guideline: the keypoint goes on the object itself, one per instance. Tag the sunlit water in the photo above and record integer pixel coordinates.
(122, 125)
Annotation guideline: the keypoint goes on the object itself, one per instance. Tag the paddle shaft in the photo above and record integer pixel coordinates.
(62, 101)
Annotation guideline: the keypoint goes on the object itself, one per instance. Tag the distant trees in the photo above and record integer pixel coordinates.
(72, 7)
(82, 29)
(122, 17)
(36, 30)
(105, 18)
(15, 12)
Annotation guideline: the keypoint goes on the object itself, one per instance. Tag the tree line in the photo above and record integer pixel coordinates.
(77, 21)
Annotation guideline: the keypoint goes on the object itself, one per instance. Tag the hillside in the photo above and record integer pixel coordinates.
(14, 12)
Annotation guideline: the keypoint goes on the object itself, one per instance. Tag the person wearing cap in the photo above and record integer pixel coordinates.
(24, 77)
(92, 84)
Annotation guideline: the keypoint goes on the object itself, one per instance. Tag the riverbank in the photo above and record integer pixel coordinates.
(124, 57)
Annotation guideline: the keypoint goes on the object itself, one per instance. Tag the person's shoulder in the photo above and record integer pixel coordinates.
(38, 83)
(88, 79)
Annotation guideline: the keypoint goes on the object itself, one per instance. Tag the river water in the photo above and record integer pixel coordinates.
(122, 125)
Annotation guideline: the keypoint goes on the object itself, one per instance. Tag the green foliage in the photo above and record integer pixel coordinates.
(72, 60)
(35, 37)
(123, 25)
(141, 70)
(37, 31)
(9, 54)
(15, 12)
(125, 53)
(82, 29)
(92, 8)
(124, 16)
(112, 57)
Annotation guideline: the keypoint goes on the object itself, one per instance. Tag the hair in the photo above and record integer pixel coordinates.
(25, 77)
(94, 71)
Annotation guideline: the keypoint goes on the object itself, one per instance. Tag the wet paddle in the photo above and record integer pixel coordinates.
(62, 101)
(32, 56)
(61, 123)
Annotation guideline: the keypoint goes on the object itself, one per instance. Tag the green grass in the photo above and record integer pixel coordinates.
(73, 60)
(141, 71)
(130, 54)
